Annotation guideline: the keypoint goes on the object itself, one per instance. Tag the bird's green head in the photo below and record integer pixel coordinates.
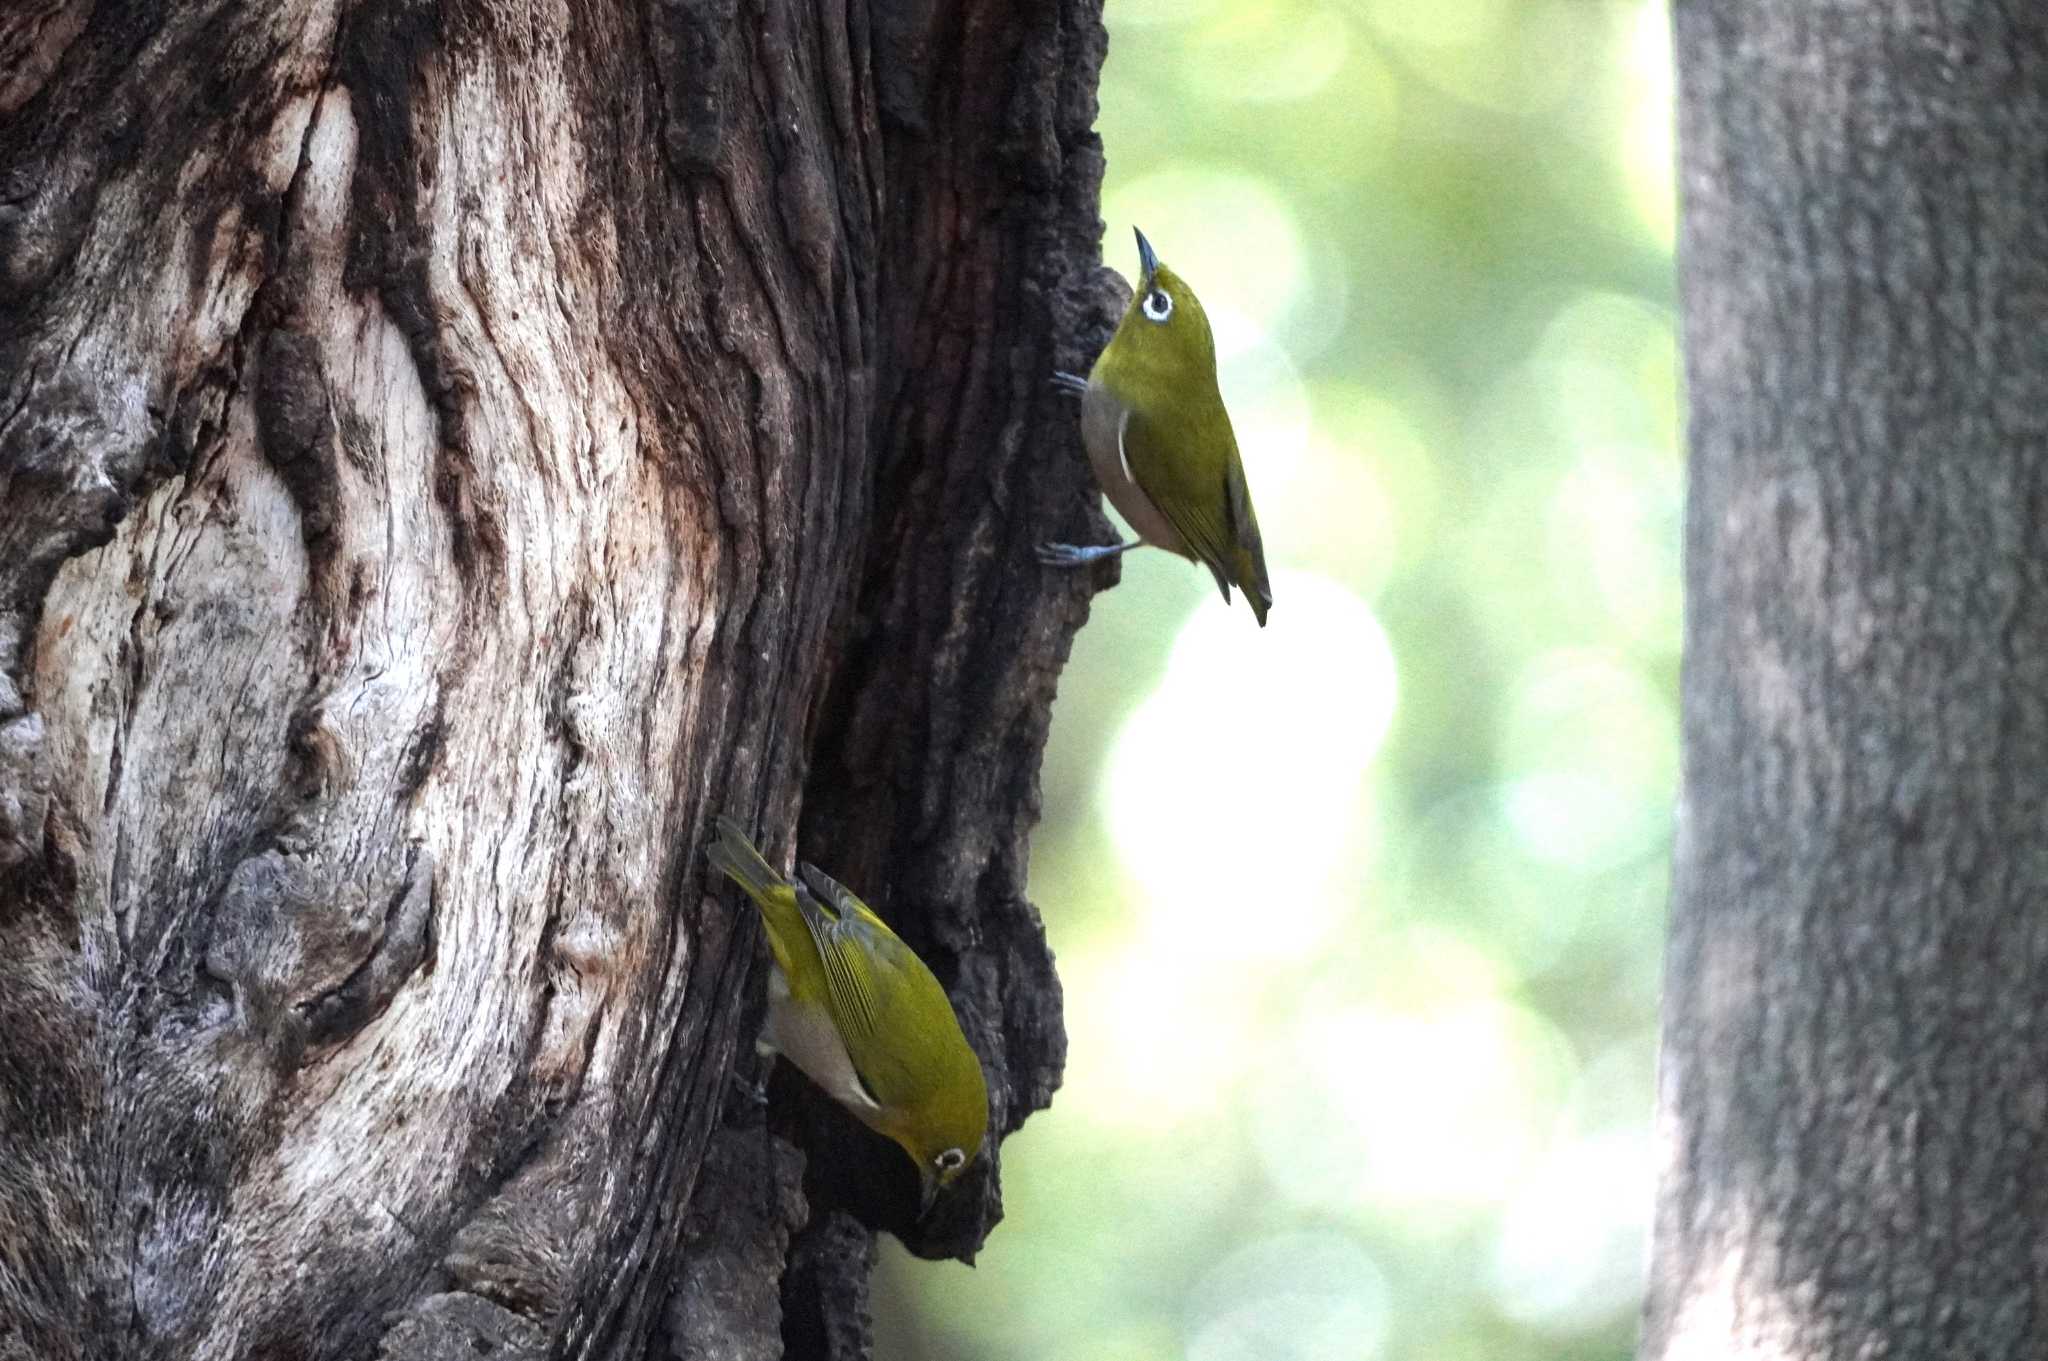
(944, 1134)
(1164, 335)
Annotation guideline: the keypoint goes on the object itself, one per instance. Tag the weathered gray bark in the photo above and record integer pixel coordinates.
(448, 451)
(1855, 1074)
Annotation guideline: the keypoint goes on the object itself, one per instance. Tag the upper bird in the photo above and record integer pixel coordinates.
(1160, 441)
(853, 1007)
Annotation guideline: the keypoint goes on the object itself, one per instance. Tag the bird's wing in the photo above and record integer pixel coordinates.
(1197, 489)
(848, 959)
(870, 973)
(1250, 561)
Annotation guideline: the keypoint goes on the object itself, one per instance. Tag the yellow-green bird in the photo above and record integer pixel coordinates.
(858, 1012)
(1160, 441)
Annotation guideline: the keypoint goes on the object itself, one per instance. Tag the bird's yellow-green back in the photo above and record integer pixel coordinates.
(889, 1012)
(1178, 444)
(908, 1048)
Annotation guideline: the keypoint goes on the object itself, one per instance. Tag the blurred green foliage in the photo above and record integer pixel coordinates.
(1359, 917)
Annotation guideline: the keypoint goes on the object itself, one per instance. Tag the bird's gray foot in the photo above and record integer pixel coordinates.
(1069, 382)
(753, 1089)
(1075, 555)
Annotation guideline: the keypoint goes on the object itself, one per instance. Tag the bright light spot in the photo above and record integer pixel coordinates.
(1530, 907)
(1570, 819)
(1649, 133)
(1236, 788)
(1337, 513)
(1226, 233)
(1114, 1338)
(1601, 388)
(1302, 1139)
(1291, 1297)
(1157, 13)
(1607, 369)
(1593, 743)
(1167, 1035)
(1570, 1250)
(1238, 785)
(1268, 52)
(1615, 517)
(1596, 744)
(1547, 59)
(1597, 399)
(1442, 23)
(1617, 1089)
(1517, 55)
(1267, 401)
(1585, 708)
(1368, 491)
(1441, 1108)
(1306, 1141)
(1428, 965)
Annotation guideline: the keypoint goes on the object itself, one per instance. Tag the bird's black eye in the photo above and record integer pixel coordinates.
(1158, 305)
(950, 1161)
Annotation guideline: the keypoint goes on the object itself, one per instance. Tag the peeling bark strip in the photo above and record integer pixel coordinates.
(448, 451)
(1855, 1070)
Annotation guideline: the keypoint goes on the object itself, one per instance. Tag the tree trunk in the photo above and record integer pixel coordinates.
(448, 452)
(1855, 1073)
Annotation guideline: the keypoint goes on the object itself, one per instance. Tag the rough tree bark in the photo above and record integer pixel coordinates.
(448, 451)
(1855, 1074)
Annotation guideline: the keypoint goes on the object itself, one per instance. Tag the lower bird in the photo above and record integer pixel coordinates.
(858, 1012)
(1160, 440)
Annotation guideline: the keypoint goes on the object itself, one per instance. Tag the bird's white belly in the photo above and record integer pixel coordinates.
(1102, 422)
(806, 1036)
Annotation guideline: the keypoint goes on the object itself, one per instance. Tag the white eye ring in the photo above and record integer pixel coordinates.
(1158, 305)
(950, 1160)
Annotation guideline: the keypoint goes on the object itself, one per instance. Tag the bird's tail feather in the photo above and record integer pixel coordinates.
(1258, 592)
(737, 857)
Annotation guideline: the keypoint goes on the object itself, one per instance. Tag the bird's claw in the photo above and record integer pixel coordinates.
(1076, 555)
(1069, 382)
(754, 1090)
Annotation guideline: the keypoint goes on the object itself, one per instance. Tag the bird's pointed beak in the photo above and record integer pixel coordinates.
(928, 1194)
(1148, 261)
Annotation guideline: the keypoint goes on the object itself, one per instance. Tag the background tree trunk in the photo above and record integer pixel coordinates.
(1855, 1073)
(448, 451)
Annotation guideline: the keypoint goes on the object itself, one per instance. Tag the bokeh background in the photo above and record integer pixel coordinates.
(1359, 917)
